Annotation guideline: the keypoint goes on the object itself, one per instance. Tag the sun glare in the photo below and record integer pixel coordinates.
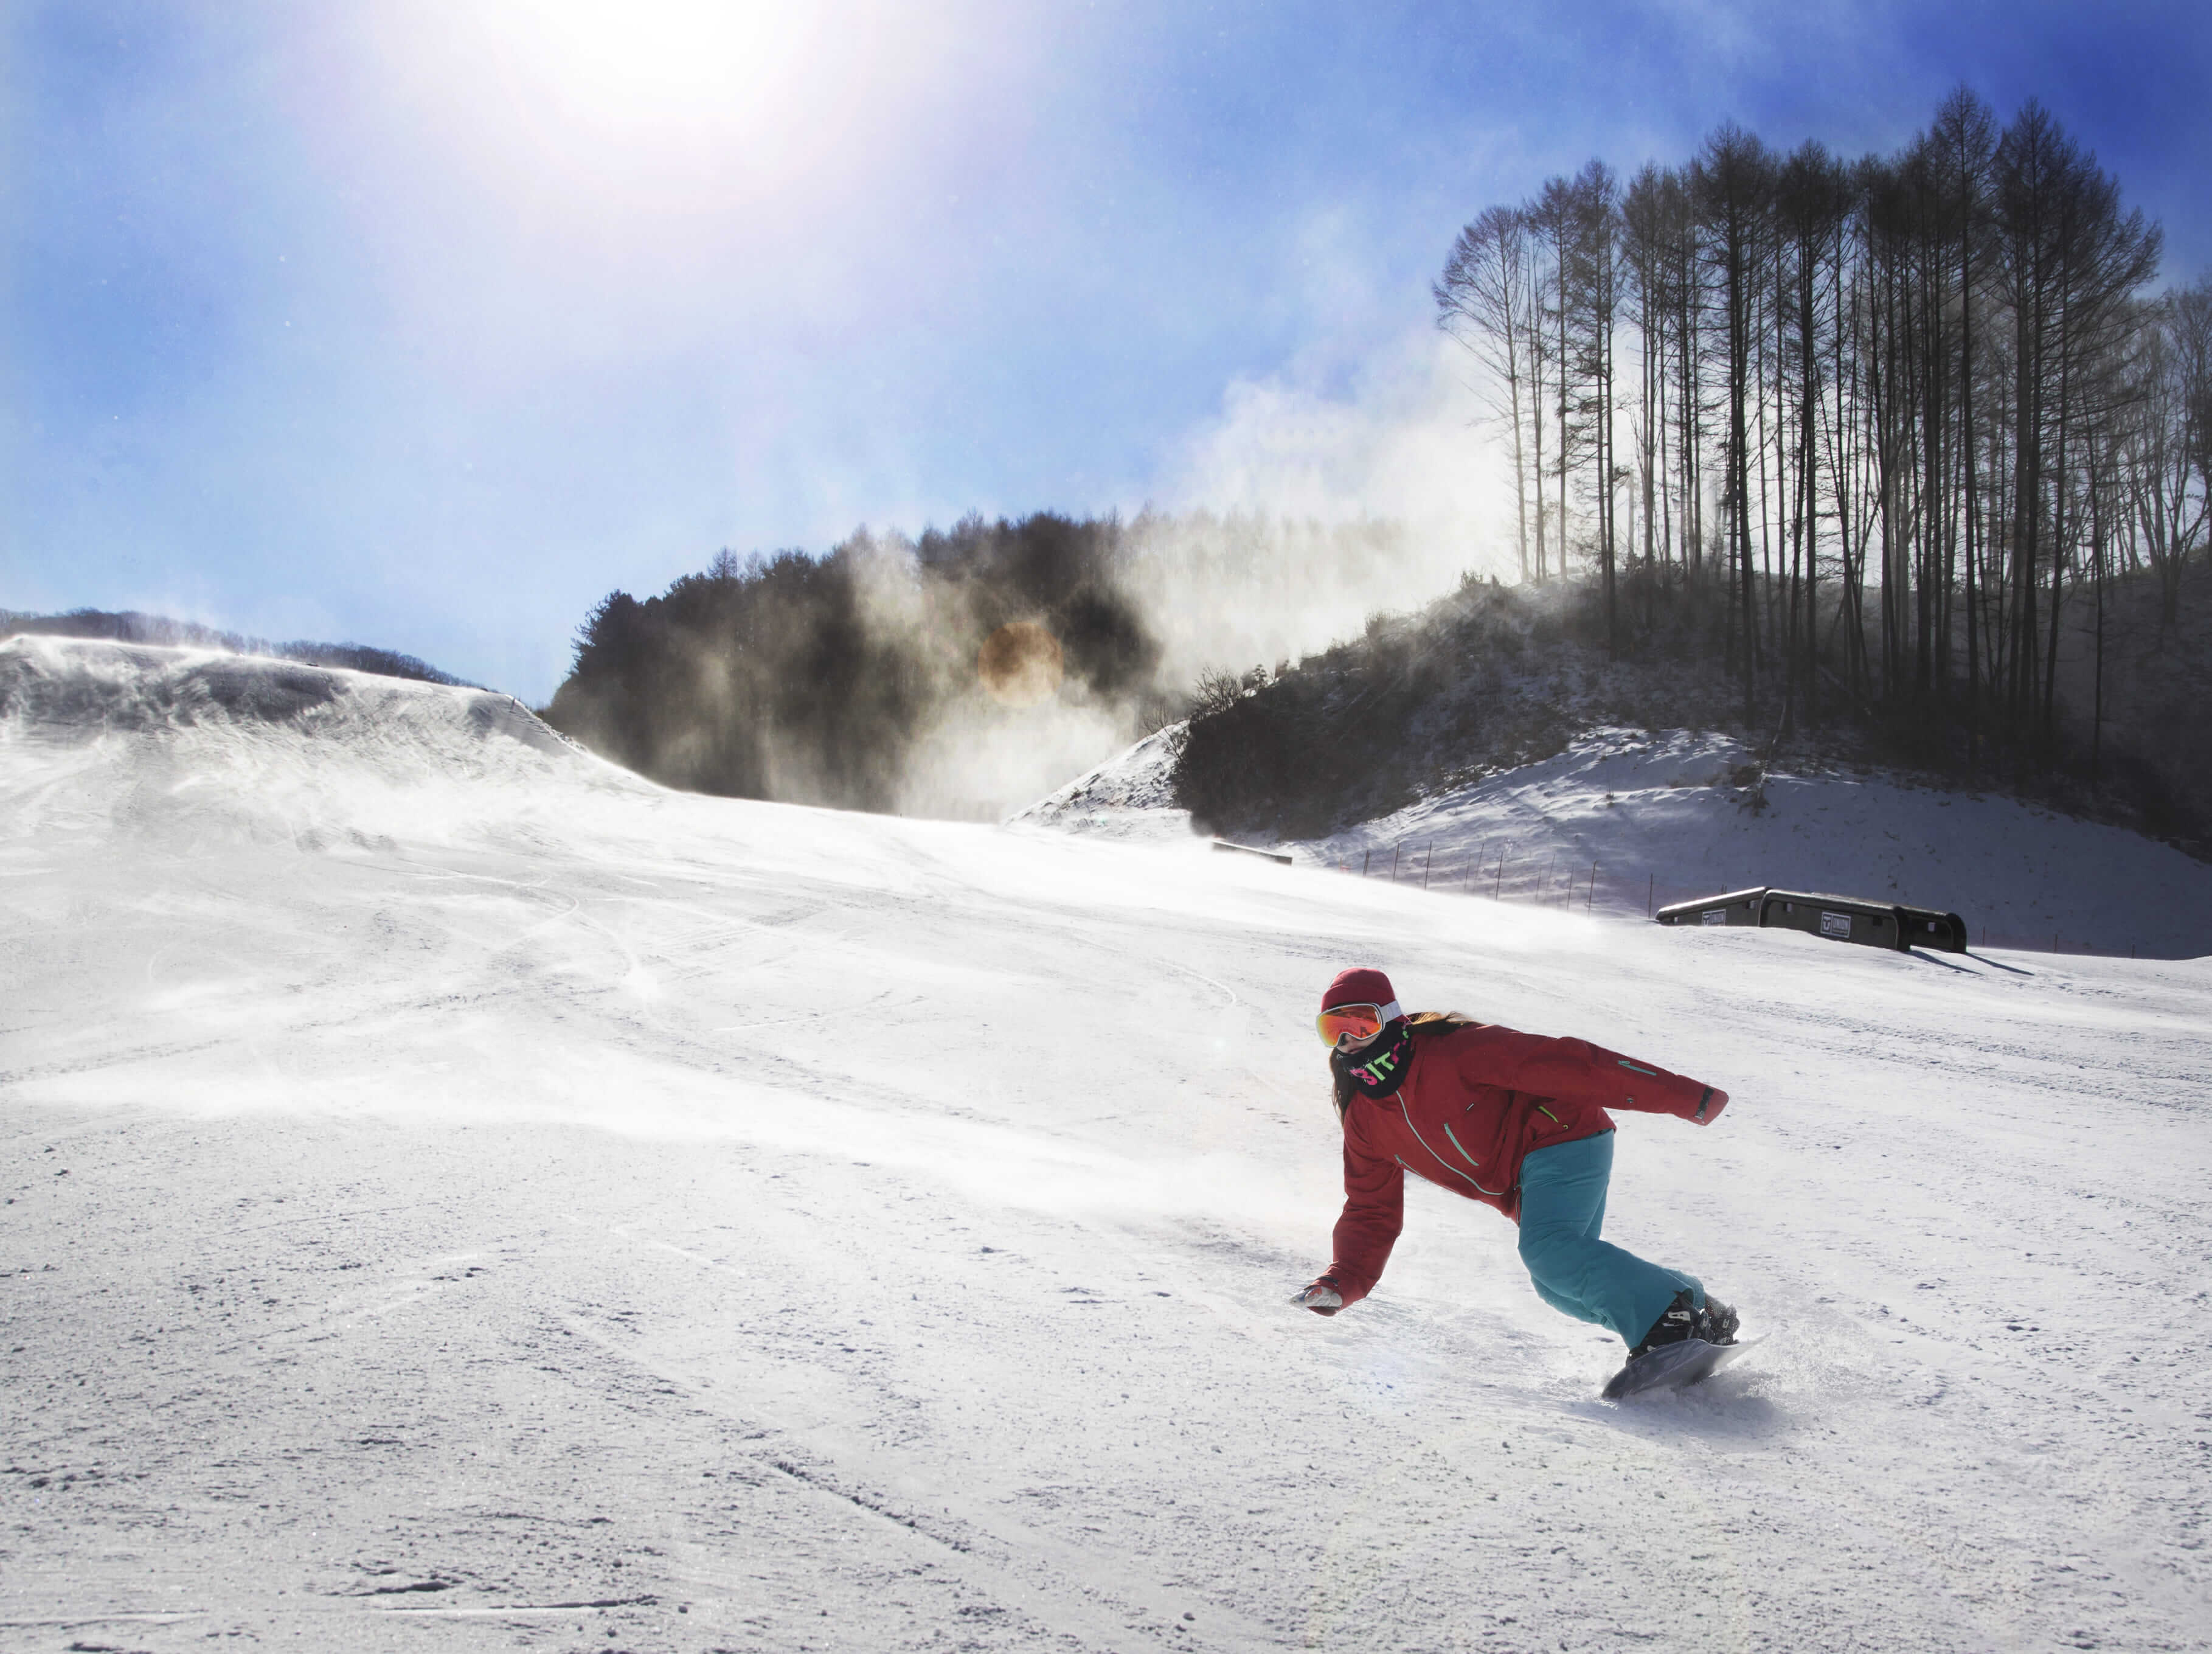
(647, 62)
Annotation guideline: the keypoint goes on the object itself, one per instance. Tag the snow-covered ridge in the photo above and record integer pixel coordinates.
(66, 689)
(1625, 819)
(194, 743)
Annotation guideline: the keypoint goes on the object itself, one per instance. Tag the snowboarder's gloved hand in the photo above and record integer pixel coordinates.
(1321, 1298)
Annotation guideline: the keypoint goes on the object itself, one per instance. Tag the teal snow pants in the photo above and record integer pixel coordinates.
(1562, 1209)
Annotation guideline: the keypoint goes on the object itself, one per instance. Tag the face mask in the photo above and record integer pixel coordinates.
(1379, 1069)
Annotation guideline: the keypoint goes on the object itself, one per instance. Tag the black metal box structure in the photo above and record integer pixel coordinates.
(1838, 918)
(1927, 927)
(1736, 908)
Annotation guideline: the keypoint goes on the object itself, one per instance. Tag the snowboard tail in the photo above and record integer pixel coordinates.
(1674, 1366)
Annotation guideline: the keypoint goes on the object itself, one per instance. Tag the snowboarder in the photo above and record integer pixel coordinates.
(1515, 1121)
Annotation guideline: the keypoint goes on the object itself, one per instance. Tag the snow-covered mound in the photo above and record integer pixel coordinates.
(1130, 797)
(169, 741)
(533, 1209)
(73, 691)
(1625, 819)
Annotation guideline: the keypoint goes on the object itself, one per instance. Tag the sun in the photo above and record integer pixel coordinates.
(632, 63)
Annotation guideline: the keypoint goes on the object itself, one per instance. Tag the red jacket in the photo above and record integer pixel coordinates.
(1475, 1102)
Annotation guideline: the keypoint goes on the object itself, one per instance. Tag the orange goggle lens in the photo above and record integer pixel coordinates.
(1360, 1021)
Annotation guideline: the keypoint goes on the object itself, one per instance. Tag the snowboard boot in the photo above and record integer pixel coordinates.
(1716, 1324)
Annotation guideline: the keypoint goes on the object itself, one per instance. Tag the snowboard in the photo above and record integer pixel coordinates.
(1672, 1366)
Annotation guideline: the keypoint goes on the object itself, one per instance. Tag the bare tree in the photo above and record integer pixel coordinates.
(2167, 439)
(2068, 259)
(1734, 184)
(1484, 299)
(1594, 293)
(1812, 204)
(1644, 231)
(1555, 218)
(1962, 143)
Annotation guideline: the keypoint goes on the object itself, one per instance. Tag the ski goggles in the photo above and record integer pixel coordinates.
(1360, 1022)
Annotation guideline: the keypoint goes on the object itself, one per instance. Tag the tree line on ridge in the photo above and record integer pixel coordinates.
(1893, 418)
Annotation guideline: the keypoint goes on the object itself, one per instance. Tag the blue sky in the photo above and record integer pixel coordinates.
(425, 323)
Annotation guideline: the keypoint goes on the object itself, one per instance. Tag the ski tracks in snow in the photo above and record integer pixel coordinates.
(572, 1216)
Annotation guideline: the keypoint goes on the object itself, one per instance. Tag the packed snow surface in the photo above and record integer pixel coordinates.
(1628, 819)
(460, 1196)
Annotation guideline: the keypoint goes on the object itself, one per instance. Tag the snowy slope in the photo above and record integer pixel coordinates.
(1130, 797)
(1660, 817)
(533, 1209)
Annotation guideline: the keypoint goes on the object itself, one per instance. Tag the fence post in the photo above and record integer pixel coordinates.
(1426, 861)
(1499, 886)
(1592, 897)
(1394, 848)
(1366, 855)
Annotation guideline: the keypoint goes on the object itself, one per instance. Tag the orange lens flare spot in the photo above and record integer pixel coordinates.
(1020, 664)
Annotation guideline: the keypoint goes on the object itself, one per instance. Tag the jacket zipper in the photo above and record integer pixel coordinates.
(1462, 1147)
(1399, 1097)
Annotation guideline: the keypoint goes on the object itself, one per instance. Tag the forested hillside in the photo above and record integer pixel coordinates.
(963, 672)
(1495, 677)
(1902, 420)
(809, 679)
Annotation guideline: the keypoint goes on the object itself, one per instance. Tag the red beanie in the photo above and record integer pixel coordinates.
(1361, 987)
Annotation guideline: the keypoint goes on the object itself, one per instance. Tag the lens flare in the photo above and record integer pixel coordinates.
(1020, 664)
